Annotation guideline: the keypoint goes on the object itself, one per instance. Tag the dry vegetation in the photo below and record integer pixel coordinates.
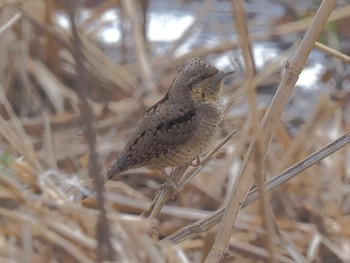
(48, 159)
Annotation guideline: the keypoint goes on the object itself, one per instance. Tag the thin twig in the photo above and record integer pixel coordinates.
(205, 224)
(332, 52)
(166, 192)
(10, 23)
(181, 180)
(105, 249)
(140, 46)
(190, 174)
(245, 44)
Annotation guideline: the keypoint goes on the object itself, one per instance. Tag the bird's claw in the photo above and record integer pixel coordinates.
(196, 162)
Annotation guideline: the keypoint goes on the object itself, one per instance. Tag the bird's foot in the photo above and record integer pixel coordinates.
(195, 162)
(170, 186)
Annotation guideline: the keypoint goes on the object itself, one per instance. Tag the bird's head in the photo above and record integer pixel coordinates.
(198, 81)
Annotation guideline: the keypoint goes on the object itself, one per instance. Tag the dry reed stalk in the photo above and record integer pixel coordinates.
(183, 178)
(105, 250)
(14, 133)
(302, 24)
(10, 23)
(140, 46)
(99, 63)
(39, 221)
(244, 40)
(333, 52)
(266, 129)
(203, 225)
(97, 12)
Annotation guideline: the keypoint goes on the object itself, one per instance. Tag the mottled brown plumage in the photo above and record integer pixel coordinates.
(178, 128)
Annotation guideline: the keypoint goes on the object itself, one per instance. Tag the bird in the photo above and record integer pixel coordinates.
(179, 127)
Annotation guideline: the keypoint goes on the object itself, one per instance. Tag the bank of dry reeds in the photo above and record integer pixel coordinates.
(66, 109)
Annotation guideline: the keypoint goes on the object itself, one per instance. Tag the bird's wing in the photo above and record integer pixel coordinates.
(164, 126)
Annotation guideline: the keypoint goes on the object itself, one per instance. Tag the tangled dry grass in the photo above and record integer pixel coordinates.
(47, 161)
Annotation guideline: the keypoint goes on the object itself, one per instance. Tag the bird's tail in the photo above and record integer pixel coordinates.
(118, 166)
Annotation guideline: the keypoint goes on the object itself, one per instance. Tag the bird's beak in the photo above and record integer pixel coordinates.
(220, 76)
(228, 74)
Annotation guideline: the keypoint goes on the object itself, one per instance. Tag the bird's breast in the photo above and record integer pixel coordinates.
(185, 140)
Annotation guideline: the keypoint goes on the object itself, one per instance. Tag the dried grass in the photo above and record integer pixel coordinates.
(45, 155)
